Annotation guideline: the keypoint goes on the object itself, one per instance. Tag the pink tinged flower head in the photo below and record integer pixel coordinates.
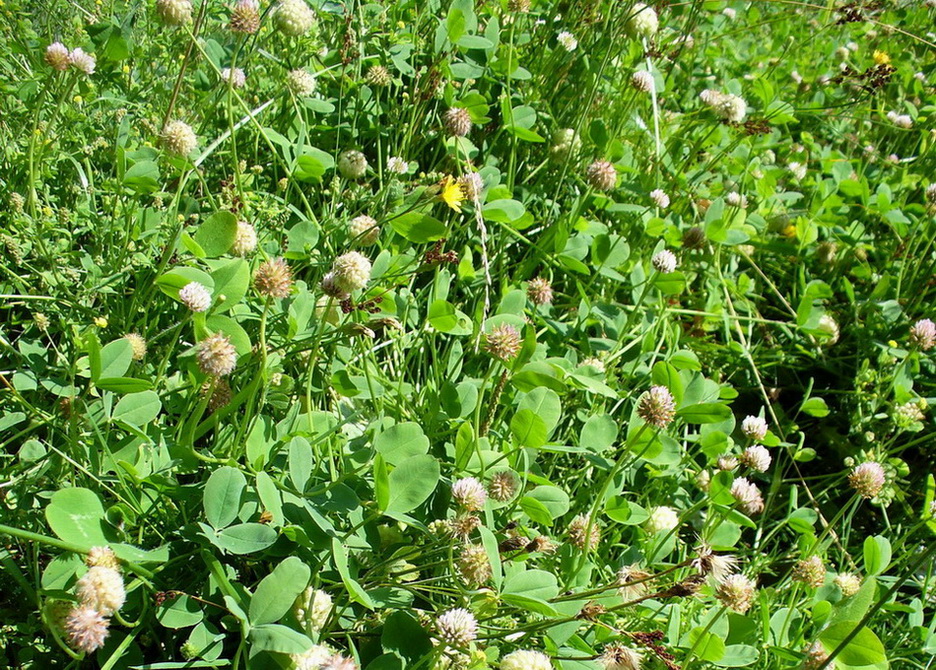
(736, 592)
(602, 176)
(457, 627)
(56, 55)
(102, 588)
(754, 427)
(868, 479)
(195, 296)
(660, 198)
(86, 629)
(457, 122)
(216, 355)
(923, 334)
(748, 496)
(469, 493)
(756, 457)
(657, 407)
(81, 60)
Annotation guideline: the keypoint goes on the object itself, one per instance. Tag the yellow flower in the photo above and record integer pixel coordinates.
(100, 321)
(789, 231)
(881, 57)
(452, 193)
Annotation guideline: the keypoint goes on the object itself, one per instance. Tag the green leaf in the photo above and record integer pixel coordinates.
(355, 590)
(231, 281)
(280, 639)
(277, 592)
(124, 384)
(738, 656)
(300, 462)
(411, 483)
(223, 495)
(142, 177)
(815, 407)
(624, 511)
(418, 227)
(137, 409)
(554, 499)
(862, 650)
(404, 635)
(401, 441)
(76, 515)
(877, 554)
(503, 211)
(537, 584)
(598, 433)
(217, 233)
(245, 538)
(179, 612)
(705, 412)
(115, 358)
(528, 429)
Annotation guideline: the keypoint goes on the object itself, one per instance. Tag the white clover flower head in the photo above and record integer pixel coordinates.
(236, 76)
(567, 40)
(179, 139)
(352, 164)
(754, 427)
(397, 165)
(735, 199)
(86, 629)
(293, 18)
(301, 82)
(657, 407)
(923, 332)
(102, 588)
(245, 240)
(730, 13)
(195, 296)
(748, 496)
(469, 493)
(731, 108)
(82, 60)
(525, 659)
(351, 271)
(848, 583)
(364, 230)
(617, 656)
(736, 592)
(868, 479)
(457, 627)
(756, 457)
(660, 198)
(174, 12)
(662, 518)
(216, 355)
(312, 609)
(643, 20)
(664, 261)
(829, 327)
(642, 81)
(472, 185)
(56, 55)
(312, 659)
(798, 170)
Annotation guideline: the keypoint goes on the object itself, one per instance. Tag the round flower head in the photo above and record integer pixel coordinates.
(868, 479)
(301, 83)
(503, 342)
(245, 241)
(539, 291)
(235, 76)
(312, 659)
(829, 327)
(657, 407)
(352, 164)
(464, 526)
(216, 355)
(331, 288)
(735, 199)
(643, 20)
(694, 238)
(581, 536)
(633, 582)
(731, 108)
(457, 122)
(339, 662)
(661, 519)
(179, 139)
(810, 571)
(848, 583)
(730, 13)
(273, 279)
(471, 185)
(719, 566)
(351, 271)
(312, 609)
(469, 493)
(195, 296)
(103, 556)
(923, 334)
(524, 659)
(754, 427)
(736, 592)
(567, 40)
(245, 17)
(364, 230)
(616, 656)
(378, 75)
(816, 656)
(931, 194)
(602, 176)
(642, 81)
(220, 393)
(86, 629)
(756, 457)
(137, 346)
(56, 55)
(103, 589)
(457, 627)
(659, 198)
(174, 12)
(293, 18)
(664, 261)
(473, 565)
(81, 60)
(798, 170)
(397, 165)
(711, 97)
(503, 486)
(727, 462)
(565, 142)
(748, 496)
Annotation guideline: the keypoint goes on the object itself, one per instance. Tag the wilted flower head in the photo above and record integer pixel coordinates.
(457, 627)
(293, 18)
(661, 519)
(581, 536)
(659, 198)
(503, 342)
(657, 407)
(848, 583)
(273, 279)
(567, 40)
(719, 566)
(632, 582)
(643, 20)
(748, 496)
(473, 564)
(616, 656)
(86, 629)
(236, 76)
(351, 271)
(352, 164)
(245, 17)
(174, 12)
(815, 656)
(220, 393)
(524, 659)
(179, 139)
(602, 175)
(472, 185)
(312, 609)
(464, 525)
(923, 334)
(694, 238)
(364, 230)
(457, 121)
(331, 288)
(754, 427)
(245, 241)
(81, 60)
(102, 588)
(469, 493)
(301, 82)
(642, 81)
(137, 346)
(539, 291)
(930, 193)
(810, 571)
(216, 355)
(56, 55)
(756, 457)
(195, 296)
(736, 592)
(664, 261)
(503, 485)
(868, 479)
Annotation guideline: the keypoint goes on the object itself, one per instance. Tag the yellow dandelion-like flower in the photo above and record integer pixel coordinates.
(881, 58)
(789, 231)
(452, 193)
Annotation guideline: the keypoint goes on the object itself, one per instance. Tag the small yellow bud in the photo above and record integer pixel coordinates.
(126, 69)
(789, 231)
(881, 57)
(892, 344)
(100, 321)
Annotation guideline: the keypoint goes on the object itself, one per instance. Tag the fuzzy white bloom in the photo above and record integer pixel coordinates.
(830, 328)
(642, 81)
(796, 77)
(565, 141)
(351, 271)
(664, 261)
(469, 493)
(457, 627)
(56, 55)
(748, 496)
(195, 296)
(102, 588)
(235, 76)
(661, 519)
(313, 659)
(798, 170)
(301, 83)
(848, 583)
(352, 164)
(735, 199)
(397, 165)
(710, 97)
(616, 656)
(179, 139)
(567, 40)
(312, 609)
(174, 12)
(643, 20)
(293, 17)
(730, 13)
(756, 457)
(82, 60)
(86, 629)
(364, 230)
(754, 427)
(659, 198)
(524, 659)
(732, 108)
(904, 121)
(245, 241)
